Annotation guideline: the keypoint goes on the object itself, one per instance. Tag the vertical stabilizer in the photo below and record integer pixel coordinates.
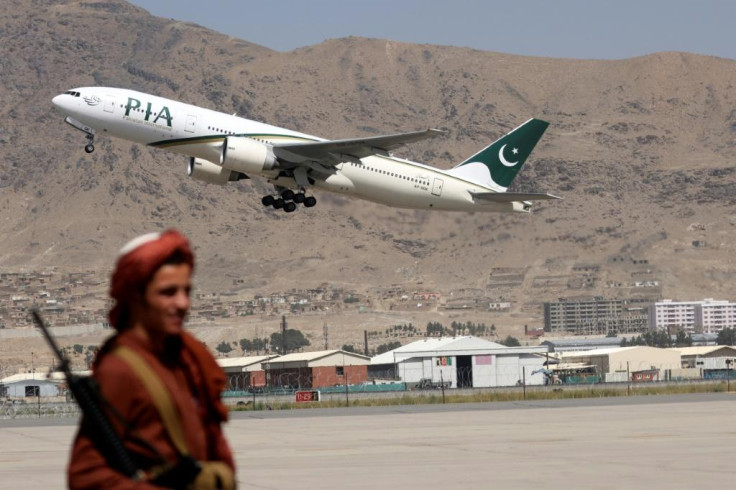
(496, 165)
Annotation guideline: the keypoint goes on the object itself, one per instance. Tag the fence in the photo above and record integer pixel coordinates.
(378, 393)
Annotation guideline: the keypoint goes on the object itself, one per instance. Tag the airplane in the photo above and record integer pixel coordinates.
(225, 148)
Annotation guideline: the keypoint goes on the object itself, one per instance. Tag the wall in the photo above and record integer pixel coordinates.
(327, 375)
(502, 370)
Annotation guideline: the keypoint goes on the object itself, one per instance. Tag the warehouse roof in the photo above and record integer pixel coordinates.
(323, 357)
(54, 377)
(451, 346)
(232, 363)
(703, 350)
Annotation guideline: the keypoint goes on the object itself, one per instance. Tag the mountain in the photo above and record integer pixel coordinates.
(641, 149)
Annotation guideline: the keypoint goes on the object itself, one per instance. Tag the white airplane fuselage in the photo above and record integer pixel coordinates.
(198, 132)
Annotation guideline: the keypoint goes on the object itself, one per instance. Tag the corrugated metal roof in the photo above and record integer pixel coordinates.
(230, 362)
(583, 342)
(446, 345)
(304, 358)
(55, 377)
(604, 352)
(701, 350)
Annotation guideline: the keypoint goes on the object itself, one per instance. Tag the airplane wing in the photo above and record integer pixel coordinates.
(336, 151)
(512, 196)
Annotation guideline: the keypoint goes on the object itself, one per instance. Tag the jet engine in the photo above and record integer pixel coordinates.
(209, 172)
(247, 155)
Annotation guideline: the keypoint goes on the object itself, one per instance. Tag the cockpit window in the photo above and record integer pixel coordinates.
(72, 93)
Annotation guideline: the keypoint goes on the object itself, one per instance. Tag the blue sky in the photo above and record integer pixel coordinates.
(588, 29)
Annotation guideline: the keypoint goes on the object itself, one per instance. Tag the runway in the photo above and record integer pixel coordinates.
(683, 441)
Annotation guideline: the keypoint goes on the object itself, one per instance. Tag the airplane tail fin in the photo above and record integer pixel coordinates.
(496, 165)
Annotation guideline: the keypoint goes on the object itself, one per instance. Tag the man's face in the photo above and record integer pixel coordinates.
(166, 300)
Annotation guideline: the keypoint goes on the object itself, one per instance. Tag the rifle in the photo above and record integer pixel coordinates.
(88, 397)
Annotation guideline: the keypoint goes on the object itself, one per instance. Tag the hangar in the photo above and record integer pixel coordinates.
(33, 385)
(318, 369)
(707, 357)
(614, 364)
(245, 372)
(461, 362)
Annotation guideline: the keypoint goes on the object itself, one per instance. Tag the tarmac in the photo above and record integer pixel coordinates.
(655, 442)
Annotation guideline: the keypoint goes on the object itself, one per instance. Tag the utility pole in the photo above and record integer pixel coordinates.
(325, 336)
(283, 335)
(365, 342)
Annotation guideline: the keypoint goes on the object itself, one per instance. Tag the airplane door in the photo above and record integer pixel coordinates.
(191, 123)
(437, 187)
(109, 105)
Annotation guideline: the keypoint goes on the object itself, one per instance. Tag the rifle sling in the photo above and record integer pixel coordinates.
(159, 394)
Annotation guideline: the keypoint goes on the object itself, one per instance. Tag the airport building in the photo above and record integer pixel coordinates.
(595, 316)
(312, 370)
(707, 357)
(26, 385)
(244, 373)
(706, 316)
(628, 363)
(582, 344)
(460, 362)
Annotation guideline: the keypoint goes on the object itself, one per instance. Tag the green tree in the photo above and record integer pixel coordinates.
(295, 340)
(387, 347)
(260, 344)
(659, 338)
(510, 342)
(224, 347)
(683, 340)
(78, 348)
(727, 336)
(435, 329)
(246, 345)
(349, 348)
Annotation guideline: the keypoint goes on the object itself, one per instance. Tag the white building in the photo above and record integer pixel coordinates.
(706, 316)
(32, 385)
(463, 362)
(622, 363)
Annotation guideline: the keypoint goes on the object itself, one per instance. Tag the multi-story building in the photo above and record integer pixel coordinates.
(706, 316)
(596, 315)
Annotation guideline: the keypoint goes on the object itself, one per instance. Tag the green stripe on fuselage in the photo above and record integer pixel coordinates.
(217, 138)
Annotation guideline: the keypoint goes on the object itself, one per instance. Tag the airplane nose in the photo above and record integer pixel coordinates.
(57, 101)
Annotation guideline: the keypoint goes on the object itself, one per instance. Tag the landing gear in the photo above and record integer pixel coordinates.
(90, 132)
(288, 200)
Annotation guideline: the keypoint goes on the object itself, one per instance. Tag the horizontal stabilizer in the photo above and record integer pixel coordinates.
(512, 196)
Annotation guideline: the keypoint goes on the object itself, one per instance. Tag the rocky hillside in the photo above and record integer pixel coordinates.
(643, 151)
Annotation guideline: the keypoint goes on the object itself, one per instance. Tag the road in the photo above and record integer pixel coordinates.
(654, 442)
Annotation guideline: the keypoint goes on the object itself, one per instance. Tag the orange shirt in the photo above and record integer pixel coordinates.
(122, 388)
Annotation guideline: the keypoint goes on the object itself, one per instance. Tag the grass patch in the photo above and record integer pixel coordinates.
(499, 395)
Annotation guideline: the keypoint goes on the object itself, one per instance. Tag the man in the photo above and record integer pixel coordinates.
(161, 386)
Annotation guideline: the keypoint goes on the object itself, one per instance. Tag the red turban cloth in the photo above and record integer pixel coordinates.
(138, 261)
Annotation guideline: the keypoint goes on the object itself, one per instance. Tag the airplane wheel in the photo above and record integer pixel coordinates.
(299, 198)
(310, 201)
(289, 207)
(89, 148)
(288, 195)
(267, 200)
(278, 204)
